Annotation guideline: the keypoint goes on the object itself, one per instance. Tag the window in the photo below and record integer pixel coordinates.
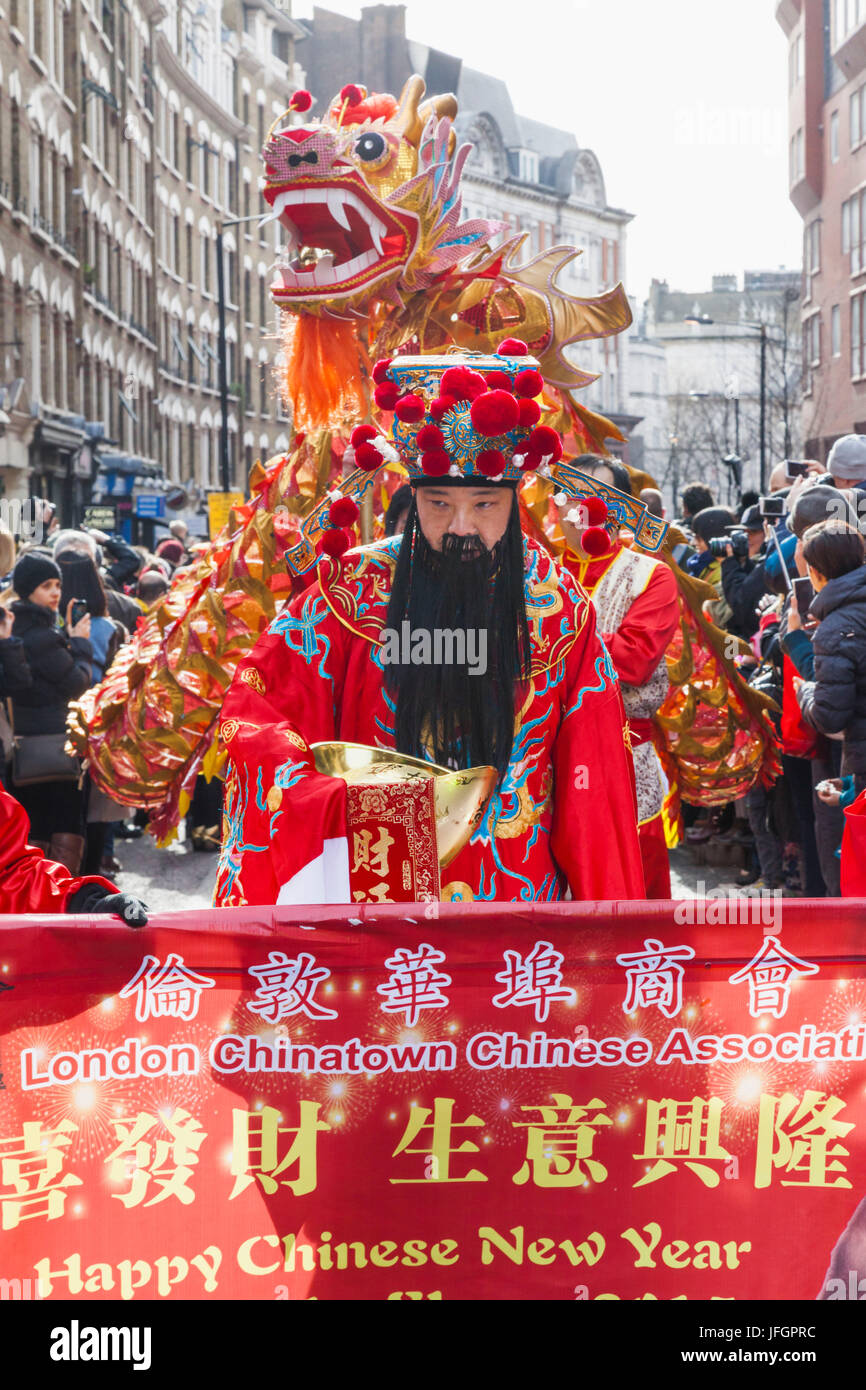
(858, 322)
(205, 263)
(813, 247)
(836, 331)
(189, 252)
(853, 228)
(834, 138)
(797, 157)
(795, 60)
(812, 333)
(847, 15)
(856, 124)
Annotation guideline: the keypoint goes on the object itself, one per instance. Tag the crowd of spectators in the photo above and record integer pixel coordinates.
(69, 601)
(790, 573)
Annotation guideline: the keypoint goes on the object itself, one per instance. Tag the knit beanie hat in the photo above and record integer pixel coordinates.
(32, 570)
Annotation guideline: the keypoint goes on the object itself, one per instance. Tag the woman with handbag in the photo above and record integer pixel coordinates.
(44, 778)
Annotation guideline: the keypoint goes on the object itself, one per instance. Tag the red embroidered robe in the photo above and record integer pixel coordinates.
(564, 818)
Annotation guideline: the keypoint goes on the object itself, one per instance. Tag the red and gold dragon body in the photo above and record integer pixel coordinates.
(378, 261)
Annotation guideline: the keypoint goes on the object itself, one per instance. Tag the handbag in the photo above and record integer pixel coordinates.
(38, 758)
(799, 739)
(854, 850)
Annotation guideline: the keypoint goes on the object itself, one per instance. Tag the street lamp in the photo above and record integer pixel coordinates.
(225, 471)
(704, 319)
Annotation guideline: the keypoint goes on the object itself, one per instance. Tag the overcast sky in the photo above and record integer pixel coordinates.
(684, 103)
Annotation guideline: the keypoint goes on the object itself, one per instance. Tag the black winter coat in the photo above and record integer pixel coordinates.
(59, 665)
(836, 701)
(14, 672)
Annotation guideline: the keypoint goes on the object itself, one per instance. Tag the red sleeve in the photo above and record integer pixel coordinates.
(279, 812)
(28, 881)
(645, 633)
(594, 837)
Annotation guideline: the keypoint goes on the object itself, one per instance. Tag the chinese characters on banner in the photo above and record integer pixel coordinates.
(485, 1104)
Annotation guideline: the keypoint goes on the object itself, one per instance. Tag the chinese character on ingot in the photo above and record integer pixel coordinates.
(369, 855)
(31, 1167)
(153, 1164)
(256, 1149)
(287, 987)
(438, 1149)
(559, 1145)
(683, 1131)
(377, 894)
(798, 1137)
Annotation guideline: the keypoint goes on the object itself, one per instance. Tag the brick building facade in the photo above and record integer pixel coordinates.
(827, 176)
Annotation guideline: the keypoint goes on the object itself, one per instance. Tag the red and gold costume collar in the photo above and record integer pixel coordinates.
(589, 573)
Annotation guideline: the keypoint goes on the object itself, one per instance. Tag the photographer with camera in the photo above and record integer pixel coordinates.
(708, 526)
(743, 579)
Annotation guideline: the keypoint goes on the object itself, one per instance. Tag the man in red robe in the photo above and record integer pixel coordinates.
(535, 695)
(31, 883)
(635, 597)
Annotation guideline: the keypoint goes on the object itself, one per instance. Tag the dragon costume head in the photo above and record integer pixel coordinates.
(369, 197)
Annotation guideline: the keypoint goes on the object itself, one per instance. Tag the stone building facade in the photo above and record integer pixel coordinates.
(130, 131)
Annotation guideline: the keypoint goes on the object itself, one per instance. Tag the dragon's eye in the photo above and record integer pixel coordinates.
(371, 147)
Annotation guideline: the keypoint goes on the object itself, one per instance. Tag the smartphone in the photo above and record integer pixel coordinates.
(803, 595)
(796, 468)
(79, 611)
(772, 507)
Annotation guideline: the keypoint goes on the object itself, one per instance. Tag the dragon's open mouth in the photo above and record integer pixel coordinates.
(337, 238)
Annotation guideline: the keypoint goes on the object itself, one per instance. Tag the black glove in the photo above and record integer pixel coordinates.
(92, 897)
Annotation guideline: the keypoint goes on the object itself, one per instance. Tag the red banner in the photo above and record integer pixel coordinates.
(485, 1102)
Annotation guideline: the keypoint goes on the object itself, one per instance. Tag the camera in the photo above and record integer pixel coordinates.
(738, 540)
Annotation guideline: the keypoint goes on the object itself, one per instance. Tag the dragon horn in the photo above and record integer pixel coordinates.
(408, 118)
(439, 106)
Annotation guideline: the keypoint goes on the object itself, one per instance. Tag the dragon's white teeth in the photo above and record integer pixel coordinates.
(337, 209)
(377, 230)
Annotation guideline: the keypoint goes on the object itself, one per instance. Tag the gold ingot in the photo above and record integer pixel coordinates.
(459, 797)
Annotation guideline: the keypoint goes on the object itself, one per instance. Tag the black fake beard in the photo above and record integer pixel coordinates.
(446, 712)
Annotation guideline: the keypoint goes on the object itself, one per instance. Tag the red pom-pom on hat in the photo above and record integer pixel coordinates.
(334, 543)
(491, 462)
(352, 95)
(410, 409)
(441, 406)
(530, 414)
(462, 384)
(343, 512)
(529, 384)
(544, 441)
(512, 347)
(368, 458)
(381, 369)
(435, 463)
(498, 381)
(595, 541)
(362, 434)
(386, 396)
(301, 100)
(595, 510)
(530, 462)
(430, 437)
(495, 413)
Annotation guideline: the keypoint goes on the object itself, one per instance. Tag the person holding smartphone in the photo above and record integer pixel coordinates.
(835, 701)
(59, 663)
